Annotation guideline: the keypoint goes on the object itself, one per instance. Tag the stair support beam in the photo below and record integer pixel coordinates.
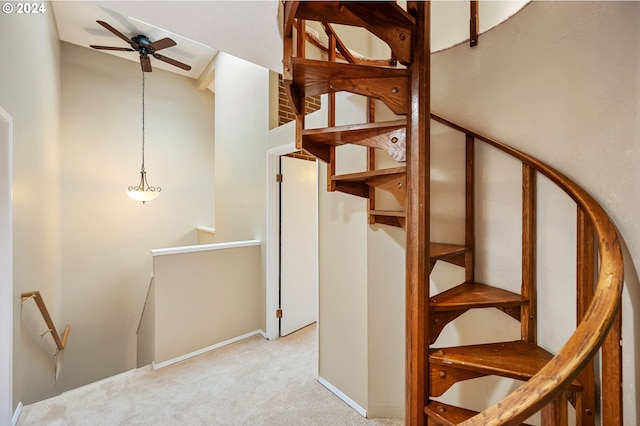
(418, 219)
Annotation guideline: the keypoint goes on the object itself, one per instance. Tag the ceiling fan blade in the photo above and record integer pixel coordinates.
(114, 31)
(123, 49)
(162, 44)
(145, 63)
(172, 62)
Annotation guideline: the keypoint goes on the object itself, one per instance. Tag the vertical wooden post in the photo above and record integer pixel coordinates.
(528, 312)
(301, 38)
(469, 238)
(473, 23)
(585, 277)
(331, 110)
(612, 374)
(556, 413)
(418, 242)
(371, 159)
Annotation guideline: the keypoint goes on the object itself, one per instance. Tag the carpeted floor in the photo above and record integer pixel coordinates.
(252, 382)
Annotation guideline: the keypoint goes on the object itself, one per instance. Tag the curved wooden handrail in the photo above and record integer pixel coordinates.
(37, 297)
(590, 334)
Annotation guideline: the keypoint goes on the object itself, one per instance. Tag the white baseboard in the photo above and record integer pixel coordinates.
(204, 350)
(16, 414)
(337, 392)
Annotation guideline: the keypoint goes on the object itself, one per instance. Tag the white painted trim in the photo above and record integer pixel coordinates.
(206, 229)
(204, 350)
(204, 247)
(6, 267)
(273, 237)
(16, 414)
(337, 392)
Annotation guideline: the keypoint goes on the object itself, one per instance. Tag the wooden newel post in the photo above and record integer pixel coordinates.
(418, 241)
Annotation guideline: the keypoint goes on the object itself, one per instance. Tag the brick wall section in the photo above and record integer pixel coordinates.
(285, 112)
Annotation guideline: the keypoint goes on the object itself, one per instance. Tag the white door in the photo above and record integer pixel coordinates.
(299, 244)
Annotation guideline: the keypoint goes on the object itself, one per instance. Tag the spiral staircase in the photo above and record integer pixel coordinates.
(552, 381)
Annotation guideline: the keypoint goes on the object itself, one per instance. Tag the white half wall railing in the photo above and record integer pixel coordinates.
(201, 297)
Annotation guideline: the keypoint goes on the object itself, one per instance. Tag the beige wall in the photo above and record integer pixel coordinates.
(30, 93)
(204, 298)
(242, 125)
(342, 228)
(146, 332)
(106, 236)
(564, 90)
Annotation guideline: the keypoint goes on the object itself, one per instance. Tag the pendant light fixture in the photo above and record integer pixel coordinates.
(143, 192)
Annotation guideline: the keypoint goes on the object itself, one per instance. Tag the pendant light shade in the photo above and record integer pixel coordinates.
(143, 192)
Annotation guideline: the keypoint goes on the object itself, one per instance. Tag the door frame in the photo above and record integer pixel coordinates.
(6, 267)
(287, 302)
(273, 238)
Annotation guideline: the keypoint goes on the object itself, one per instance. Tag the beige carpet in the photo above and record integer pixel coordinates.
(252, 382)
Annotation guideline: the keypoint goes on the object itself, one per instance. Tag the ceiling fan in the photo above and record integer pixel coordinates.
(145, 47)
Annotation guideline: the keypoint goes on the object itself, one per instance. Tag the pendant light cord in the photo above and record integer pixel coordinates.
(142, 121)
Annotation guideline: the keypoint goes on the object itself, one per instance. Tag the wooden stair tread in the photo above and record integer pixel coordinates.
(392, 180)
(387, 20)
(341, 135)
(388, 217)
(390, 213)
(441, 414)
(387, 135)
(314, 77)
(469, 295)
(443, 251)
(517, 360)
(369, 175)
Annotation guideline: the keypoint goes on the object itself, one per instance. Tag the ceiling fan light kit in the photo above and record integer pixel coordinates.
(146, 49)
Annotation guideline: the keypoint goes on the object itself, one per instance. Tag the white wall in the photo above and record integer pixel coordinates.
(30, 93)
(565, 91)
(106, 236)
